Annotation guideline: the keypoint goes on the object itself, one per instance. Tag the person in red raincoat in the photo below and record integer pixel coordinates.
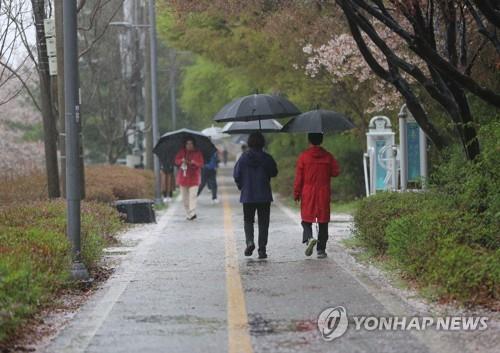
(315, 167)
(190, 161)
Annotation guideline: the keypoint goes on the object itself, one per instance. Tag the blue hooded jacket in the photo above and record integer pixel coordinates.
(252, 174)
(213, 163)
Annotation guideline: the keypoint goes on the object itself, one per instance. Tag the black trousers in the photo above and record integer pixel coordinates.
(209, 177)
(322, 234)
(263, 214)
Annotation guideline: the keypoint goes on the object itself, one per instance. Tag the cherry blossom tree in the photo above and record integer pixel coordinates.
(342, 61)
(447, 37)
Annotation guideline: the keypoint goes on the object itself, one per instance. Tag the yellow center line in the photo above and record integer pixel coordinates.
(237, 319)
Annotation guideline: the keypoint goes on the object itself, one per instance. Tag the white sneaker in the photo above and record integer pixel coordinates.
(310, 246)
(215, 201)
(168, 199)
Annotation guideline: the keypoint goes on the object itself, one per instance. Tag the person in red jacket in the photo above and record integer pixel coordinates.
(315, 167)
(190, 161)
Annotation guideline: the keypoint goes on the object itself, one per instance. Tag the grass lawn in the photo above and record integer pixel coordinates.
(345, 206)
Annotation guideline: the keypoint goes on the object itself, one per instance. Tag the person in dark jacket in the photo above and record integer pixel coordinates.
(315, 168)
(209, 176)
(252, 173)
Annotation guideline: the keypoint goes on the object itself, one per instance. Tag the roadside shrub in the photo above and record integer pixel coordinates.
(104, 183)
(448, 236)
(474, 186)
(107, 183)
(35, 254)
(376, 212)
(30, 187)
(33, 264)
(465, 273)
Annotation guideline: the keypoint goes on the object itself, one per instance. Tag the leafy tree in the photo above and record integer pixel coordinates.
(216, 84)
(446, 37)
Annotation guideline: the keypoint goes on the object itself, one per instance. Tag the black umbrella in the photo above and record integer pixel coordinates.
(171, 142)
(257, 107)
(247, 127)
(319, 121)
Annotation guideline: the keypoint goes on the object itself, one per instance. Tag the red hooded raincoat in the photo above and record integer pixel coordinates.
(194, 159)
(315, 167)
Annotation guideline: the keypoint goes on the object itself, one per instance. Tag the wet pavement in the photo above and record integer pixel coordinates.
(186, 287)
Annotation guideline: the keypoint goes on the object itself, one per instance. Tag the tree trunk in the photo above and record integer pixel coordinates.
(468, 133)
(48, 116)
(58, 8)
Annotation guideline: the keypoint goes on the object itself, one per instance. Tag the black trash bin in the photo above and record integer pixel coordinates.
(137, 210)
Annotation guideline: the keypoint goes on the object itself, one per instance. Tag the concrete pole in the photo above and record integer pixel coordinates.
(403, 159)
(147, 102)
(154, 98)
(72, 117)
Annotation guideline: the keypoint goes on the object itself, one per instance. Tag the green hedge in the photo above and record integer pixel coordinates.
(433, 244)
(35, 255)
(446, 238)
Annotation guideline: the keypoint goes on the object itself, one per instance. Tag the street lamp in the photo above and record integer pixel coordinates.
(154, 97)
(72, 121)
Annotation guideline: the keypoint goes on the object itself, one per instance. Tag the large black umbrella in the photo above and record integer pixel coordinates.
(247, 127)
(319, 121)
(171, 142)
(257, 107)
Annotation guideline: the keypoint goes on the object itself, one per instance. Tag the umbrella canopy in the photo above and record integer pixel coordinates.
(247, 127)
(257, 107)
(319, 121)
(214, 132)
(171, 142)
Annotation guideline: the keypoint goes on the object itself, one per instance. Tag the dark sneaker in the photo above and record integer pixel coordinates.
(249, 250)
(322, 254)
(310, 246)
(262, 254)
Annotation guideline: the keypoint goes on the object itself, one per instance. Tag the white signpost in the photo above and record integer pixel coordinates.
(49, 26)
(384, 161)
(413, 144)
(380, 162)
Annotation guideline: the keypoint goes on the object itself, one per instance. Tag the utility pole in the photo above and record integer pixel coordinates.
(72, 117)
(148, 133)
(154, 97)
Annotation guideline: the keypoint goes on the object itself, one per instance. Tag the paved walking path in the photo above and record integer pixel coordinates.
(188, 288)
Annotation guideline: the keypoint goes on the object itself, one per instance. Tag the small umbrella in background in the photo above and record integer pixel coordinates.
(257, 107)
(319, 121)
(247, 127)
(214, 132)
(171, 142)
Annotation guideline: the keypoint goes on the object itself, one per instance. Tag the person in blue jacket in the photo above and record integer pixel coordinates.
(252, 174)
(209, 177)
